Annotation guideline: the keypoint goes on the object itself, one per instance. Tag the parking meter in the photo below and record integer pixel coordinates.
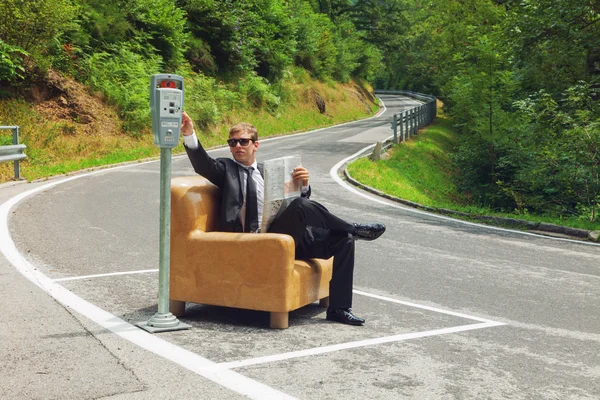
(166, 106)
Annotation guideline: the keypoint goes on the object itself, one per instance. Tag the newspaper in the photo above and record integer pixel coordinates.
(280, 188)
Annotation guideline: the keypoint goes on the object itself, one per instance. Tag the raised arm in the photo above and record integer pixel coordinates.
(203, 164)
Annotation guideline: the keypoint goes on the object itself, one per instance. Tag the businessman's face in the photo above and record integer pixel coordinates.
(243, 154)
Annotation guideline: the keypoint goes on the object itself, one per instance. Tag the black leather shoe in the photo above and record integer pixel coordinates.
(368, 231)
(343, 315)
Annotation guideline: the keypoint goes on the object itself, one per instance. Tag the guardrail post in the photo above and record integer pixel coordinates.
(402, 126)
(17, 166)
(395, 128)
(416, 120)
(428, 112)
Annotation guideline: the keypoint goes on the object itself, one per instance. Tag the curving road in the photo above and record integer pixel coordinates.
(454, 310)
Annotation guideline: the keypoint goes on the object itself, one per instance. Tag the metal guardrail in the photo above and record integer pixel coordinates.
(408, 122)
(14, 152)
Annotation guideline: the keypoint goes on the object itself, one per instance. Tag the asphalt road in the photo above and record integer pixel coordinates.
(454, 310)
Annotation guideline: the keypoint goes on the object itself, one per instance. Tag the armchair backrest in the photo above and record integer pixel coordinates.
(195, 204)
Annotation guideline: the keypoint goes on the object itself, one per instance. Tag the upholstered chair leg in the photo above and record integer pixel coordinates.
(324, 302)
(177, 308)
(279, 320)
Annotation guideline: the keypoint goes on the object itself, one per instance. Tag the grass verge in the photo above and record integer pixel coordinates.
(421, 171)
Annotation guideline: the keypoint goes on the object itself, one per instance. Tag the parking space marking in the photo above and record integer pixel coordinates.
(352, 345)
(186, 359)
(359, 292)
(483, 323)
(428, 308)
(74, 278)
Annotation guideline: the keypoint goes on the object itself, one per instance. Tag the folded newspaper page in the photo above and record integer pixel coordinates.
(280, 188)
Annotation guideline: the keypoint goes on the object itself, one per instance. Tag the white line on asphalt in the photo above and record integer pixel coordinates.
(193, 362)
(359, 292)
(428, 308)
(232, 380)
(74, 278)
(333, 172)
(352, 345)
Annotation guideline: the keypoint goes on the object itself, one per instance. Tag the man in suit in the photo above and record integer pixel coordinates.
(317, 233)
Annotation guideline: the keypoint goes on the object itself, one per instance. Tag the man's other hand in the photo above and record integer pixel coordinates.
(301, 174)
(187, 125)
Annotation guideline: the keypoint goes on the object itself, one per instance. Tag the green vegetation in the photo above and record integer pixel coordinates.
(419, 170)
(54, 147)
(266, 61)
(422, 171)
(521, 81)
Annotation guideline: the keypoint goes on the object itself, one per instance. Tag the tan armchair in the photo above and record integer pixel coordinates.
(241, 270)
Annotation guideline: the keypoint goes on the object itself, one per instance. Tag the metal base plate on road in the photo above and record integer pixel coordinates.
(163, 323)
(154, 329)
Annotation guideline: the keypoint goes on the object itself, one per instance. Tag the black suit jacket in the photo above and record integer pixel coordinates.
(229, 177)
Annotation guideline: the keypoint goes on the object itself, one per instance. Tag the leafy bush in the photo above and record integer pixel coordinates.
(33, 24)
(314, 33)
(563, 143)
(258, 93)
(11, 62)
(123, 77)
(161, 24)
(243, 36)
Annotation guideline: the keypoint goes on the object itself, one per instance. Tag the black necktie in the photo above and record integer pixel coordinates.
(251, 222)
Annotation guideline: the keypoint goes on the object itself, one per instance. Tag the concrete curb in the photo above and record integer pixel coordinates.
(542, 228)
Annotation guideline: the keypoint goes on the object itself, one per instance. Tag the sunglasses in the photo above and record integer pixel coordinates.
(242, 142)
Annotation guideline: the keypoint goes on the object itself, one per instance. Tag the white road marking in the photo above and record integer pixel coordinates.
(75, 278)
(333, 172)
(193, 362)
(218, 373)
(359, 292)
(352, 345)
(232, 380)
(428, 308)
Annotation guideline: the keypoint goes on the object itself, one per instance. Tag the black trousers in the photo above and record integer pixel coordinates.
(320, 234)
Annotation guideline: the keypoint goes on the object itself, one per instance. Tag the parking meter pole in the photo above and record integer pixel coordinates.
(165, 232)
(163, 320)
(166, 105)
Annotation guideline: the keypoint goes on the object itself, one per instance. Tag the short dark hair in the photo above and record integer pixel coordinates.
(244, 127)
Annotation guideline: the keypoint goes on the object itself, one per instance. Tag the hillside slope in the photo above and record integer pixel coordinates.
(67, 128)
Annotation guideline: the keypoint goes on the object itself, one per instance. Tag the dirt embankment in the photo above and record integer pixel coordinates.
(58, 98)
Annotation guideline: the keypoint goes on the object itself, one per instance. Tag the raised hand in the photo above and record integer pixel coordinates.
(187, 125)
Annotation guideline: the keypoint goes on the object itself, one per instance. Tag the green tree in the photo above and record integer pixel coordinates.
(554, 41)
(33, 24)
(242, 36)
(315, 34)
